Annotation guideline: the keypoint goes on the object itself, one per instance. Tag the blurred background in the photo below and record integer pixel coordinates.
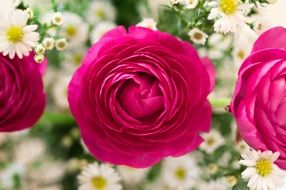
(51, 155)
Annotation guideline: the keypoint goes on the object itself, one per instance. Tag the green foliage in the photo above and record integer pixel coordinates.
(128, 11)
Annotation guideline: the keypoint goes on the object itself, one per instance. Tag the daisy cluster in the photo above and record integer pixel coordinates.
(228, 18)
(21, 32)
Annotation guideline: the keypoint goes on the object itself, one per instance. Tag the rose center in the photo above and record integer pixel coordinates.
(263, 167)
(15, 34)
(99, 182)
(141, 97)
(228, 6)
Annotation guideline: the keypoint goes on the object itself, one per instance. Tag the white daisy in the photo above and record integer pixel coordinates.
(16, 37)
(191, 4)
(132, 175)
(243, 41)
(261, 172)
(100, 11)
(180, 173)
(99, 177)
(100, 29)
(148, 23)
(213, 140)
(73, 59)
(228, 14)
(198, 36)
(74, 29)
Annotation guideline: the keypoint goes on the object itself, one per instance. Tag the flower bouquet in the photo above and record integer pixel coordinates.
(142, 95)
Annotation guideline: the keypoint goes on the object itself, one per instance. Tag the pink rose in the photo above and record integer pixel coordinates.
(259, 102)
(22, 99)
(140, 96)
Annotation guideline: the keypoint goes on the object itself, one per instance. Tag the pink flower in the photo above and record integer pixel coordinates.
(259, 102)
(22, 99)
(140, 96)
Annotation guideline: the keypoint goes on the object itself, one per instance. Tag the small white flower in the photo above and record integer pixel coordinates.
(198, 36)
(100, 29)
(49, 43)
(61, 44)
(228, 14)
(57, 19)
(175, 2)
(261, 172)
(212, 141)
(16, 37)
(260, 23)
(148, 23)
(40, 49)
(191, 4)
(99, 177)
(180, 173)
(39, 58)
(100, 11)
(132, 175)
(74, 29)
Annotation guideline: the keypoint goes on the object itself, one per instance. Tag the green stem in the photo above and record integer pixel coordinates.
(54, 5)
(220, 102)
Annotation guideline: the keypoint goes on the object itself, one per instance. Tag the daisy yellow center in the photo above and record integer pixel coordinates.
(210, 141)
(77, 58)
(100, 13)
(228, 6)
(241, 54)
(15, 34)
(198, 35)
(180, 173)
(99, 182)
(263, 167)
(71, 31)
